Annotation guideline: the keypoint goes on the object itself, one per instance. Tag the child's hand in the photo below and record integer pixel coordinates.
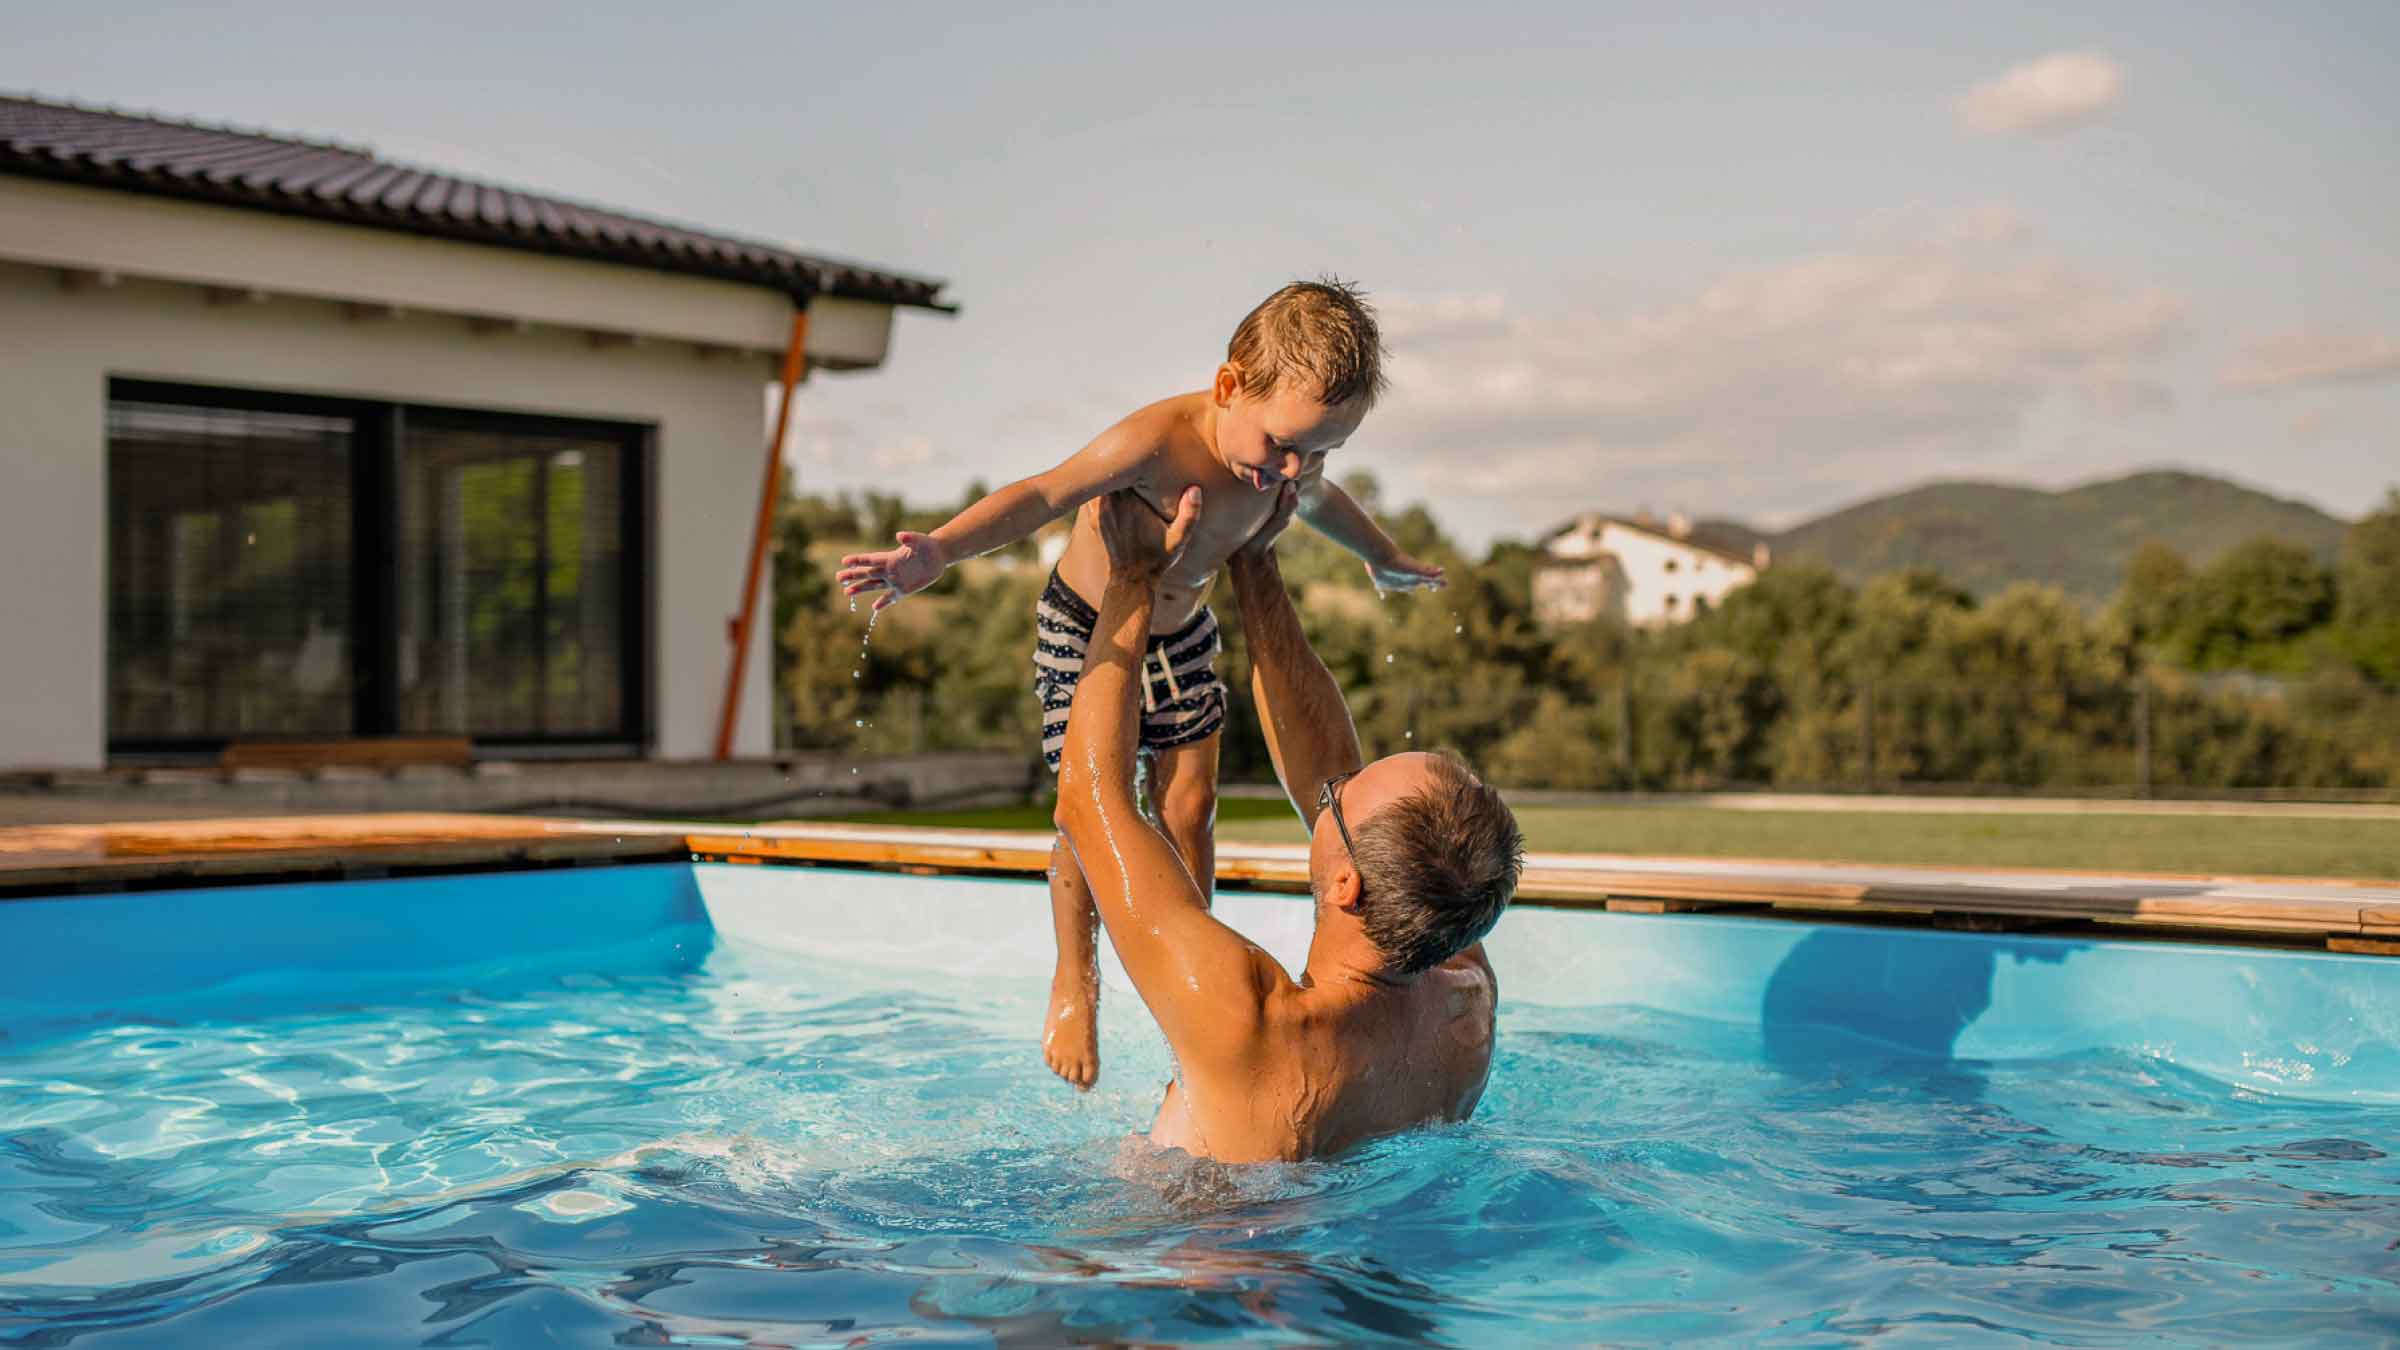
(1401, 572)
(915, 565)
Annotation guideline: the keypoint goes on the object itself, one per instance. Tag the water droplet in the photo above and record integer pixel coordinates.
(860, 722)
(1460, 629)
(854, 674)
(1408, 735)
(854, 773)
(1387, 658)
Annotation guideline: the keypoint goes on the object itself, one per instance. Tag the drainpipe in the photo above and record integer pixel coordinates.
(770, 490)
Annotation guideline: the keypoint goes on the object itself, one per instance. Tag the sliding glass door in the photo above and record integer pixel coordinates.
(289, 566)
(514, 587)
(229, 558)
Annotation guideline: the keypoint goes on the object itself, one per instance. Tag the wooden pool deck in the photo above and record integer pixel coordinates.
(2362, 917)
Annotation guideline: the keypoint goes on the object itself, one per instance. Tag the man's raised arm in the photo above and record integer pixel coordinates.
(1202, 982)
(1309, 733)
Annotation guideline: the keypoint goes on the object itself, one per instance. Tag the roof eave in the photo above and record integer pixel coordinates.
(800, 281)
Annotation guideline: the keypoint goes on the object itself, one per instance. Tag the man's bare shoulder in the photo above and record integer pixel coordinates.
(1464, 997)
(1468, 982)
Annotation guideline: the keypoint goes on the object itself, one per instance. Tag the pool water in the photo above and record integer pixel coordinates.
(768, 1148)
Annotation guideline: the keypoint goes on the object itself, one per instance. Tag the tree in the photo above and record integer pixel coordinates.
(2157, 588)
(2249, 609)
(2369, 582)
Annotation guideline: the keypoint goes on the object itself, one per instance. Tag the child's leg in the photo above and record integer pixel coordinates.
(1071, 1031)
(1183, 793)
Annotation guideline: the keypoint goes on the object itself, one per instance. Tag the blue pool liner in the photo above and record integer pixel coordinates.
(2300, 1023)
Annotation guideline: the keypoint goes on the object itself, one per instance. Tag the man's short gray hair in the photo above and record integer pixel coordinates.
(1438, 867)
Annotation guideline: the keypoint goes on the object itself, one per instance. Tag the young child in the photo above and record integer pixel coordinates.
(1297, 379)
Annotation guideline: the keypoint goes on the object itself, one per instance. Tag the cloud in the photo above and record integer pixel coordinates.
(2051, 93)
(814, 438)
(1766, 390)
(2303, 356)
(2310, 426)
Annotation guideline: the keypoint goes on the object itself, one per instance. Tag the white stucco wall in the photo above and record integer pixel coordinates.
(58, 349)
(1663, 578)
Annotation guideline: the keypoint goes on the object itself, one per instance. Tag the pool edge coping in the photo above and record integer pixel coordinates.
(2330, 914)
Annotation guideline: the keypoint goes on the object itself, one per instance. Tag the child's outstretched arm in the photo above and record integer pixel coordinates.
(1001, 518)
(1335, 515)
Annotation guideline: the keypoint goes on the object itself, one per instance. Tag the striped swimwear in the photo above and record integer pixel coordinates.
(1182, 699)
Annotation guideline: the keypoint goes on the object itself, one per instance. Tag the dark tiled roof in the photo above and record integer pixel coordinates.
(329, 181)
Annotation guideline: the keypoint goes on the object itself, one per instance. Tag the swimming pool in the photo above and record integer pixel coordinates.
(711, 1104)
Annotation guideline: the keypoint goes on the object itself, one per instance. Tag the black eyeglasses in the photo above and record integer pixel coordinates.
(1329, 799)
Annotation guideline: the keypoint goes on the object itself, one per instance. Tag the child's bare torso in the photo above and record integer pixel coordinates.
(1179, 458)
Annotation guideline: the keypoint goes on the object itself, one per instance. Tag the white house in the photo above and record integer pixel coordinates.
(1640, 571)
(302, 443)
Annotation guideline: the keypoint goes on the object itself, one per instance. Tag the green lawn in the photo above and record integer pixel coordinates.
(2256, 845)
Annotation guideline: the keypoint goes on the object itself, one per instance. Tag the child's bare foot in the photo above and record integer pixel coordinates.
(1071, 1033)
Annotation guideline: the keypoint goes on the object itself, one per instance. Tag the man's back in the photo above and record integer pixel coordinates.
(1334, 1067)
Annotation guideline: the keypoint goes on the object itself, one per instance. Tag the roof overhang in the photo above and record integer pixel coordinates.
(100, 233)
(276, 174)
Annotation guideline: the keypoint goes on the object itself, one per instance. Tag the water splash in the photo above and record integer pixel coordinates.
(865, 640)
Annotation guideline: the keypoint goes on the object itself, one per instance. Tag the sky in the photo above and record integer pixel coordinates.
(1748, 261)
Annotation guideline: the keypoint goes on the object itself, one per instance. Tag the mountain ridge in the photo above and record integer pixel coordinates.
(1987, 534)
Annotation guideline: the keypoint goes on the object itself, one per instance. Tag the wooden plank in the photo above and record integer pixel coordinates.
(985, 858)
(1659, 906)
(2182, 904)
(54, 858)
(35, 859)
(374, 752)
(2364, 946)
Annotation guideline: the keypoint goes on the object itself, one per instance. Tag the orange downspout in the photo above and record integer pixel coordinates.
(770, 491)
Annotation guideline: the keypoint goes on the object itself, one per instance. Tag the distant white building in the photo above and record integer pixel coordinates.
(1641, 571)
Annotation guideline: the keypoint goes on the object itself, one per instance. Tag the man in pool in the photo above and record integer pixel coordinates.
(1390, 1024)
(1298, 378)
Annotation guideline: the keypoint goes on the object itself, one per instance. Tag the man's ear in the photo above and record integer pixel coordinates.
(1229, 383)
(1345, 888)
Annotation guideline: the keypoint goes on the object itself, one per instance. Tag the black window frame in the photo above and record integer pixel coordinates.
(379, 433)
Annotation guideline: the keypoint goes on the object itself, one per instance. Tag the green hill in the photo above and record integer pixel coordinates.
(1986, 535)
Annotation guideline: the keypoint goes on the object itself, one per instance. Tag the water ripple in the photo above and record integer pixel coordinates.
(765, 1151)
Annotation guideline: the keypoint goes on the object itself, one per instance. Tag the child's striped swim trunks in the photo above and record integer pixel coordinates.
(1182, 699)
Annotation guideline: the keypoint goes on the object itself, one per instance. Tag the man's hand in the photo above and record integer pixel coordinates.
(1261, 544)
(1401, 572)
(916, 564)
(1129, 530)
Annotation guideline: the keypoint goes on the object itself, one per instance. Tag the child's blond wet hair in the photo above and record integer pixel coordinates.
(1320, 334)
